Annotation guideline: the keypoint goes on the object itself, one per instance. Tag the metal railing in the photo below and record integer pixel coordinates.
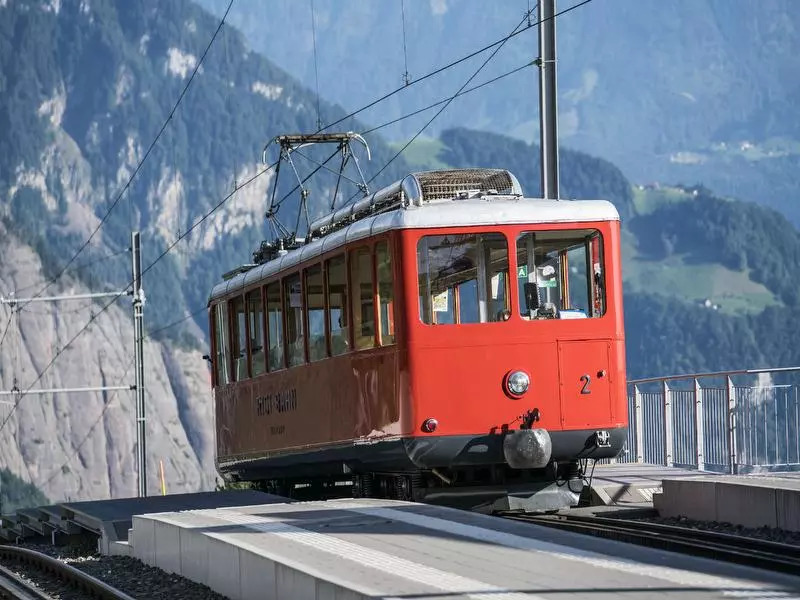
(729, 421)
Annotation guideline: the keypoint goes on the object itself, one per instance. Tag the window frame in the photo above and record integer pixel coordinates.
(307, 314)
(260, 290)
(596, 233)
(353, 253)
(347, 253)
(284, 281)
(268, 339)
(215, 350)
(233, 329)
(507, 290)
(391, 254)
(328, 326)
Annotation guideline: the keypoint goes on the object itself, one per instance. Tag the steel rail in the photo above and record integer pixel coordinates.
(75, 577)
(14, 587)
(754, 552)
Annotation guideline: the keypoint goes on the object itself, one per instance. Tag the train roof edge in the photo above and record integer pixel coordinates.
(413, 191)
(423, 186)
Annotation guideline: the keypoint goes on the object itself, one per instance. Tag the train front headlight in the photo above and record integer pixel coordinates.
(517, 383)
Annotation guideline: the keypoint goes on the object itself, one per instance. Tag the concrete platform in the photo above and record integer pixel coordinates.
(748, 500)
(353, 549)
(631, 484)
(110, 520)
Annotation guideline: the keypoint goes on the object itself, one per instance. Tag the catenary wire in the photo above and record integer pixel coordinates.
(452, 64)
(85, 438)
(448, 101)
(143, 159)
(183, 319)
(82, 266)
(6, 328)
(435, 104)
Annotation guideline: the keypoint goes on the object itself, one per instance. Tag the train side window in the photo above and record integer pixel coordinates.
(560, 274)
(463, 278)
(275, 326)
(385, 292)
(293, 313)
(315, 308)
(239, 339)
(337, 304)
(363, 298)
(221, 338)
(255, 316)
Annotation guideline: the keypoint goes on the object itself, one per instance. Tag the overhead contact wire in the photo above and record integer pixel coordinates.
(102, 414)
(435, 104)
(452, 64)
(449, 100)
(143, 159)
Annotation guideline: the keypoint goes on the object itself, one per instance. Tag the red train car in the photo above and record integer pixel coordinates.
(442, 337)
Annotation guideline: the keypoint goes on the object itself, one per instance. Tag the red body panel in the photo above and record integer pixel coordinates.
(453, 373)
(457, 371)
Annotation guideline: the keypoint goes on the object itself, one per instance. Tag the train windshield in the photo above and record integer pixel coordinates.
(560, 274)
(463, 278)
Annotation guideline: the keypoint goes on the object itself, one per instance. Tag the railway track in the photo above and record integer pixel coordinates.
(12, 586)
(753, 552)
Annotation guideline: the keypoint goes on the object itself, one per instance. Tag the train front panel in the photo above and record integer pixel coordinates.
(515, 344)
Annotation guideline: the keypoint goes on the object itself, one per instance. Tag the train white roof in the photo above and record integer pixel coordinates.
(484, 211)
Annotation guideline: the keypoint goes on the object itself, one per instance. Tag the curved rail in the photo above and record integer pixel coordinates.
(13, 587)
(77, 578)
(765, 554)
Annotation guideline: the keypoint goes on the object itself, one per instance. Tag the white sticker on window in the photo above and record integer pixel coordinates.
(440, 302)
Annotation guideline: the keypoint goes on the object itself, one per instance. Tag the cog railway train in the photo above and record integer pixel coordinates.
(444, 338)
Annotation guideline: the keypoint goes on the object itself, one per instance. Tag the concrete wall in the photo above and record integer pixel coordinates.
(236, 572)
(747, 502)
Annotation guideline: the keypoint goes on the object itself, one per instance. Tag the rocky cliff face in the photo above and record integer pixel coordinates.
(84, 89)
(82, 445)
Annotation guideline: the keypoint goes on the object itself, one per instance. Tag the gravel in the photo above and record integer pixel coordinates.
(127, 574)
(764, 533)
(45, 582)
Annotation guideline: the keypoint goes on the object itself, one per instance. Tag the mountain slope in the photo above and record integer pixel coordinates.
(78, 446)
(654, 87)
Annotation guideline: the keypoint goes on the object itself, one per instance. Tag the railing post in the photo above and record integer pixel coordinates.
(699, 432)
(639, 423)
(668, 433)
(733, 467)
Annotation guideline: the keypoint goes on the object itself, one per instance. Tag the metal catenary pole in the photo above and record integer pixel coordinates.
(138, 335)
(548, 108)
(15, 302)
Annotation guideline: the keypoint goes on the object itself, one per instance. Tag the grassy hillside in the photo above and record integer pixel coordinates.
(686, 276)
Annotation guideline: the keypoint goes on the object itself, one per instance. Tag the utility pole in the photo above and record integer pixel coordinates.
(548, 105)
(138, 336)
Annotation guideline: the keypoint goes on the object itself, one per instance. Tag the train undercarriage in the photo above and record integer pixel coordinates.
(487, 489)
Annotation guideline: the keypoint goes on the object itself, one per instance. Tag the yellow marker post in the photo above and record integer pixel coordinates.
(163, 483)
